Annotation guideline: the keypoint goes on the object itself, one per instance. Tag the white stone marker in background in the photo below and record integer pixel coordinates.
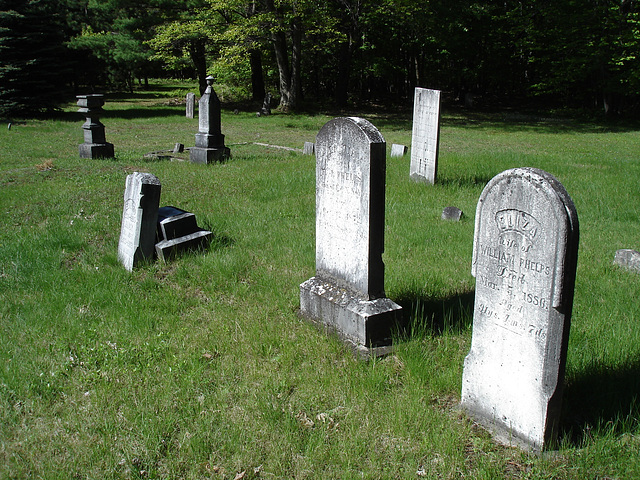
(347, 293)
(139, 219)
(190, 105)
(425, 136)
(524, 260)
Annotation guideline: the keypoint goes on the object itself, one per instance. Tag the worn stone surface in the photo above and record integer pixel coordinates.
(350, 193)
(95, 144)
(209, 139)
(451, 213)
(139, 219)
(524, 260)
(627, 258)
(168, 249)
(190, 105)
(425, 138)
(398, 150)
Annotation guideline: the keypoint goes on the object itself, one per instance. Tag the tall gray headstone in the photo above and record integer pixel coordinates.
(347, 293)
(425, 137)
(139, 219)
(190, 105)
(524, 260)
(209, 139)
(95, 145)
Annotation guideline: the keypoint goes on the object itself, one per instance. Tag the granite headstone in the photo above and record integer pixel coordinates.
(190, 105)
(425, 136)
(524, 260)
(95, 144)
(347, 293)
(209, 139)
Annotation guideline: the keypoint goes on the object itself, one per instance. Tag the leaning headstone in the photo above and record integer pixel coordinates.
(524, 260)
(627, 258)
(347, 293)
(95, 144)
(178, 148)
(139, 218)
(425, 137)
(191, 105)
(209, 139)
(309, 148)
(398, 150)
(451, 213)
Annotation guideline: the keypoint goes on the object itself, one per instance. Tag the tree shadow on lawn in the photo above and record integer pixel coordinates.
(434, 316)
(603, 398)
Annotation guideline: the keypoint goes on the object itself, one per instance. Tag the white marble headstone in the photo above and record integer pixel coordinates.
(347, 292)
(524, 260)
(425, 136)
(139, 219)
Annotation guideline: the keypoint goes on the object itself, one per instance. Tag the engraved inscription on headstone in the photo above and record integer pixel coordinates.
(524, 260)
(347, 293)
(139, 219)
(425, 137)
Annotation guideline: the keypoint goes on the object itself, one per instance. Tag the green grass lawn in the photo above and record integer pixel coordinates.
(202, 368)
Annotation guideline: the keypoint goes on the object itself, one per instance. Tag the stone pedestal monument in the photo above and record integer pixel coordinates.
(95, 145)
(209, 139)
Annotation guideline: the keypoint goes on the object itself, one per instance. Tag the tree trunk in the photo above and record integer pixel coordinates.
(199, 59)
(257, 78)
(280, 48)
(344, 73)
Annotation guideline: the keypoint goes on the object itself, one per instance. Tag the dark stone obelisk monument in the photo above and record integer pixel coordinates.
(209, 139)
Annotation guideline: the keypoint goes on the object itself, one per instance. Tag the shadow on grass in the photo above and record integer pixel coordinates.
(602, 398)
(434, 316)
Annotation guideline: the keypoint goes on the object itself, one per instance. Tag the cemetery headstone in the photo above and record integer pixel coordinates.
(266, 106)
(209, 139)
(190, 105)
(398, 150)
(347, 293)
(95, 144)
(425, 136)
(309, 148)
(451, 213)
(139, 218)
(178, 232)
(627, 258)
(178, 148)
(524, 260)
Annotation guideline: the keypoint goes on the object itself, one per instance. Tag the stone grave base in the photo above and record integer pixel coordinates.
(96, 150)
(209, 155)
(366, 325)
(167, 249)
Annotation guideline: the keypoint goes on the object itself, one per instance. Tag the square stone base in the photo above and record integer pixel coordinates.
(168, 249)
(365, 324)
(96, 150)
(209, 155)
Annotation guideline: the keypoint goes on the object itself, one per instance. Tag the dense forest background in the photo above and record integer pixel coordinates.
(569, 53)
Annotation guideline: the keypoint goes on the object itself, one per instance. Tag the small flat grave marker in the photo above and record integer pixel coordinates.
(398, 150)
(627, 258)
(524, 260)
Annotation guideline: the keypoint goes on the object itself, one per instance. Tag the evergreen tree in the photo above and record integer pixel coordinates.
(34, 65)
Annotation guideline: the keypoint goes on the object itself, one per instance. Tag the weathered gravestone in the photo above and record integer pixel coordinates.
(178, 232)
(347, 293)
(425, 136)
(95, 144)
(209, 139)
(309, 148)
(191, 105)
(524, 260)
(398, 150)
(627, 258)
(139, 218)
(451, 213)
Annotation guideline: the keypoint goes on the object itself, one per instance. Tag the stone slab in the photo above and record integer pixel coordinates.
(209, 155)
(425, 138)
(178, 226)
(139, 219)
(627, 258)
(453, 214)
(524, 260)
(398, 150)
(309, 148)
(190, 104)
(168, 249)
(96, 150)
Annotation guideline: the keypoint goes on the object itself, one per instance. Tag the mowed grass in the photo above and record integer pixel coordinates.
(202, 368)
